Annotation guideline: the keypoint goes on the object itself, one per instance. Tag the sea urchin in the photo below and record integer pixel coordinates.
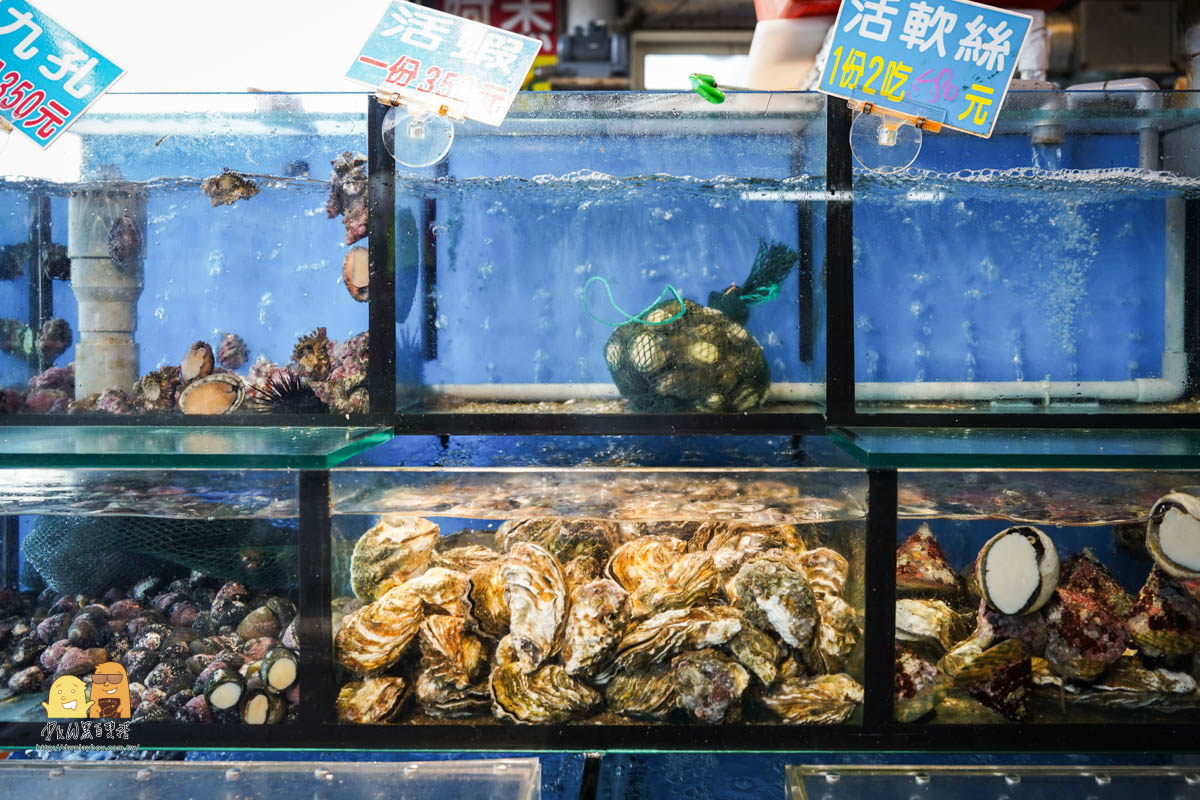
(285, 393)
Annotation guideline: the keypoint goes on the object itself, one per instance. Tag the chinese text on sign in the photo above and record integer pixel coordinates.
(48, 77)
(424, 54)
(948, 60)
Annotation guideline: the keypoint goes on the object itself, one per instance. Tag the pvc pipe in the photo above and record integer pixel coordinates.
(106, 292)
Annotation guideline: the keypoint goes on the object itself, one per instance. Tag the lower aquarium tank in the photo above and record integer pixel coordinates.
(639, 586)
(1057, 596)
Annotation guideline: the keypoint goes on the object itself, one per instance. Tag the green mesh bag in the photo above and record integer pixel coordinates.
(93, 554)
(699, 358)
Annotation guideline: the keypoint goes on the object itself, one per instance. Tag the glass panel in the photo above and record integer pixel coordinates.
(1047, 597)
(644, 191)
(497, 779)
(138, 446)
(151, 596)
(934, 782)
(598, 594)
(995, 274)
(184, 232)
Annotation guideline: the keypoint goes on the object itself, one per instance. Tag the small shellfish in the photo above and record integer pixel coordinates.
(311, 355)
(1083, 574)
(1017, 570)
(773, 592)
(710, 686)
(595, 625)
(394, 550)
(535, 591)
(1165, 619)
(227, 188)
(376, 635)
(1173, 535)
(372, 700)
(1083, 638)
(824, 700)
(124, 241)
(922, 567)
(197, 362)
(356, 274)
(651, 694)
(546, 696)
(1000, 677)
(916, 686)
(232, 352)
(221, 393)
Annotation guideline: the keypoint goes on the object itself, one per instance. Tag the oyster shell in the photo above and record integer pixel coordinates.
(467, 558)
(546, 696)
(922, 566)
(836, 635)
(758, 652)
(449, 653)
(394, 550)
(376, 635)
(1083, 638)
(443, 591)
(733, 543)
(1165, 619)
(825, 700)
(220, 393)
(371, 700)
(439, 698)
(564, 538)
(643, 559)
(773, 592)
(535, 591)
(487, 598)
(826, 570)
(692, 580)
(650, 694)
(710, 686)
(595, 625)
(1128, 685)
(658, 638)
(928, 621)
(683, 529)
(581, 570)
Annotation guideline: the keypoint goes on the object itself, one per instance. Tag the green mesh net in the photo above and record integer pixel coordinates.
(93, 554)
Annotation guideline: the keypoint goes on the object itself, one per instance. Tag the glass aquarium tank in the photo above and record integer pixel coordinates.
(184, 254)
(617, 252)
(1039, 271)
(1047, 596)
(589, 581)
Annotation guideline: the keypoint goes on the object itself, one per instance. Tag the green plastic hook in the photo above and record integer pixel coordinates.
(706, 87)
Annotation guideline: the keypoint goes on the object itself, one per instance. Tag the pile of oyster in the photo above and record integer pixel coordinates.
(195, 650)
(1016, 635)
(550, 620)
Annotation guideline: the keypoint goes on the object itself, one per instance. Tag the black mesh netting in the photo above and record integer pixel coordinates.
(703, 361)
(93, 554)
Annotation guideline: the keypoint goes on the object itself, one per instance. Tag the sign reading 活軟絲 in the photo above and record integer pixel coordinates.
(48, 76)
(946, 60)
(429, 55)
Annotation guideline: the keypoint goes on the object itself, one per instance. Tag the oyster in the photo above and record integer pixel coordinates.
(681, 529)
(1173, 535)
(371, 700)
(581, 570)
(650, 694)
(466, 559)
(837, 633)
(825, 700)
(394, 550)
(710, 686)
(1083, 638)
(758, 652)
(595, 625)
(667, 633)
(1129, 685)
(1165, 619)
(443, 591)
(692, 580)
(487, 598)
(449, 653)
(546, 696)
(929, 621)
(1017, 570)
(439, 698)
(535, 592)
(732, 543)
(376, 635)
(826, 570)
(916, 686)
(564, 538)
(922, 566)
(643, 559)
(773, 592)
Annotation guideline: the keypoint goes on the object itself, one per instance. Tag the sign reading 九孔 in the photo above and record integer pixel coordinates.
(423, 53)
(48, 76)
(947, 60)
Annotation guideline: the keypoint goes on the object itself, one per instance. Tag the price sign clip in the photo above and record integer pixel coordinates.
(422, 107)
(890, 121)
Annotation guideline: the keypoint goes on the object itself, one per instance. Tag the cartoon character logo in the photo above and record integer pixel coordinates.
(110, 692)
(67, 699)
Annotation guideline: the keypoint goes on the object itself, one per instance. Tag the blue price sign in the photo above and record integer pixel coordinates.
(947, 60)
(431, 56)
(48, 76)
